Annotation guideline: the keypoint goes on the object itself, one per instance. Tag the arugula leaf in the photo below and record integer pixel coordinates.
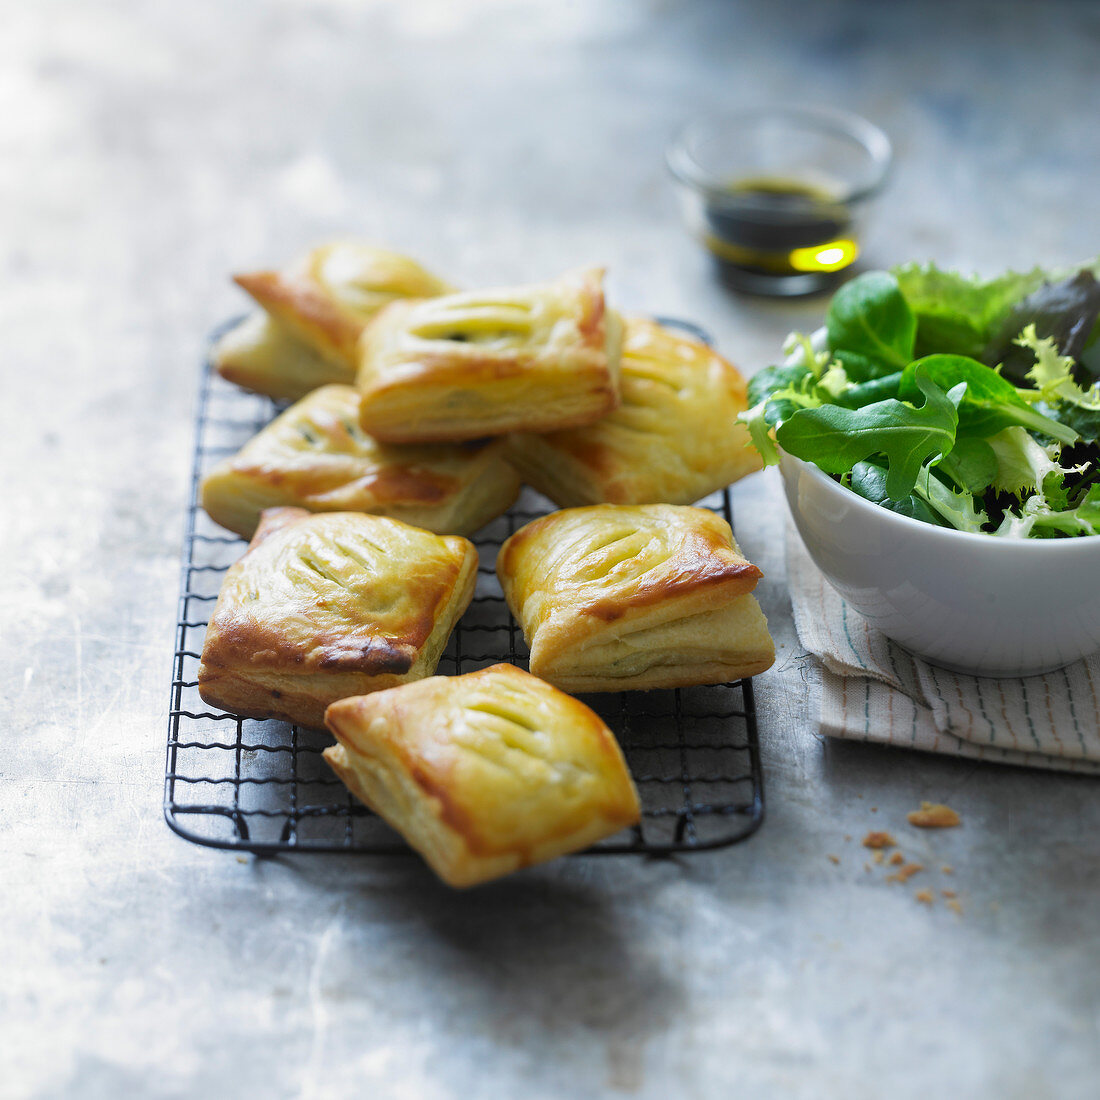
(1064, 311)
(835, 438)
(955, 313)
(989, 404)
(870, 326)
(869, 481)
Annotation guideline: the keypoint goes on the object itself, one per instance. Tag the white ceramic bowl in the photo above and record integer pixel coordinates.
(971, 603)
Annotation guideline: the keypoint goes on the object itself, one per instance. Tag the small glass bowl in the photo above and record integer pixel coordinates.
(777, 194)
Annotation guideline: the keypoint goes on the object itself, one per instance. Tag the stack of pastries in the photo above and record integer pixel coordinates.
(418, 412)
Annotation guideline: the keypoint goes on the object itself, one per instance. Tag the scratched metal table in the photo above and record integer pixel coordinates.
(147, 150)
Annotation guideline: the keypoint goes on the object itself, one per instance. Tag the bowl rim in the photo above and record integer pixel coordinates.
(1075, 543)
(683, 164)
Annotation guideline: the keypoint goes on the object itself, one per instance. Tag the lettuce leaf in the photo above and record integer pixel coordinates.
(868, 480)
(956, 313)
(1052, 373)
(870, 326)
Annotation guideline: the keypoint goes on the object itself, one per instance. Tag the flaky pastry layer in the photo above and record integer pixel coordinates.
(634, 596)
(316, 456)
(484, 773)
(673, 438)
(326, 297)
(488, 362)
(325, 606)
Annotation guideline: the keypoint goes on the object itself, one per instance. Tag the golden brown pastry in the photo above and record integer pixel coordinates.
(261, 355)
(484, 773)
(634, 596)
(321, 607)
(316, 456)
(673, 439)
(487, 362)
(328, 295)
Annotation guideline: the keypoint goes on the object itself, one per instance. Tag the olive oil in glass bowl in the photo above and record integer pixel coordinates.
(777, 194)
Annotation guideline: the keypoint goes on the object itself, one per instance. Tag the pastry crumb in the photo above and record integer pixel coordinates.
(904, 874)
(834, 859)
(879, 840)
(955, 907)
(949, 893)
(897, 858)
(925, 897)
(847, 836)
(934, 815)
(874, 809)
(947, 869)
(877, 857)
(867, 867)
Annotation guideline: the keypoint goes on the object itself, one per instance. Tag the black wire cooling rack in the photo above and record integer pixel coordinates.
(263, 786)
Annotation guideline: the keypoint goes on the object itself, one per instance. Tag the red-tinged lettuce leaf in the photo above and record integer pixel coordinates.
(1065, 311)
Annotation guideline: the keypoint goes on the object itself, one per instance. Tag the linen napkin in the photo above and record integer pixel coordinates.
(873, 690)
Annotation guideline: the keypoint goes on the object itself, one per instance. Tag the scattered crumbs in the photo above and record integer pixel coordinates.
(242, 859)
(847, 836)
(904, 874)
(955, 907)
(879, 840)
(834, 859)
(874, 809)
(897, 858)
(949, 893)
(947, 869)
(877, 857)
(859, 796)
(925, 897)
(934, 815)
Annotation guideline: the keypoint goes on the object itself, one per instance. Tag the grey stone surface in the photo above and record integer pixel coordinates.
(146, 150)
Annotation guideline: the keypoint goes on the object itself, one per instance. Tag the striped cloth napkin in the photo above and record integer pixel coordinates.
(873, 690)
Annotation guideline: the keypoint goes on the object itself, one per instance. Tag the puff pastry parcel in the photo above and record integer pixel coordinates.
(487, 362)
(316, 456)
(483, 773)
(261, 355)
(673, 439)
(321, 607)
(634, 596)
(327, 296)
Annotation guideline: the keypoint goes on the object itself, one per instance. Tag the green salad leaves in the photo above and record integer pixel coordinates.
(957, 401)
